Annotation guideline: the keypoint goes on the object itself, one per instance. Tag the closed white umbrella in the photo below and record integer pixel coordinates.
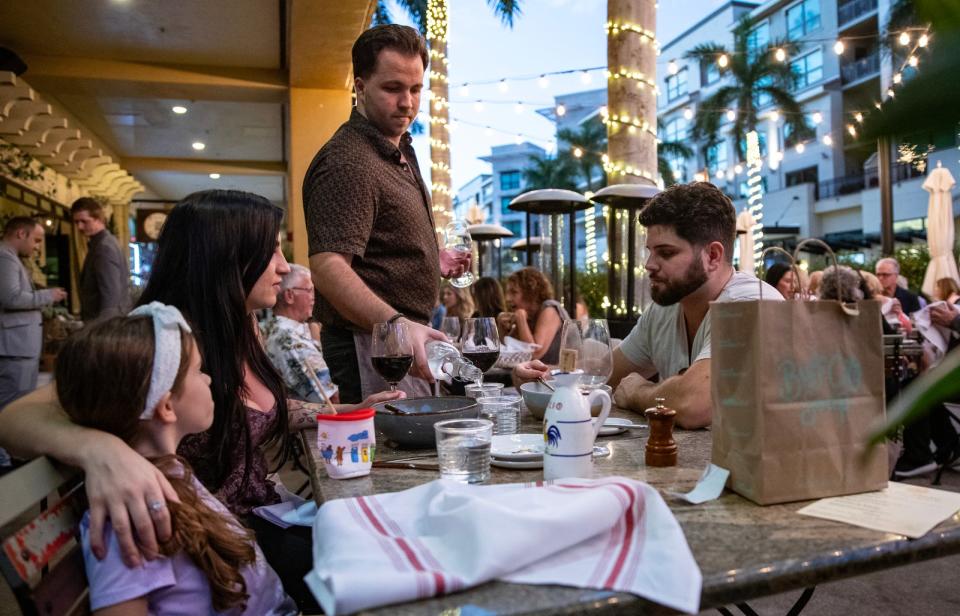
(745, 223)
(939, 229)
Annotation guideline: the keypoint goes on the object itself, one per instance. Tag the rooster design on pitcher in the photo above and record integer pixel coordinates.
(552, 436)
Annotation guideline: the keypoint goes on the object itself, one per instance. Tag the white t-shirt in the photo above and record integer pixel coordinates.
(658, 342)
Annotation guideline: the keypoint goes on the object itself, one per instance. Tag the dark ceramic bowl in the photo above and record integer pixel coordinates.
(413, 427)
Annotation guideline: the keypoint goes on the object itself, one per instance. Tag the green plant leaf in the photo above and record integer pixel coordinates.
(939, 384)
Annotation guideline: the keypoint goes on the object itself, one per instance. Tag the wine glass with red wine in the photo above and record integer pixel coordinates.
(391, 353)
(480, 342)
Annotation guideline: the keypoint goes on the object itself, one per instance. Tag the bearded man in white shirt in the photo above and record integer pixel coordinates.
(690, 235)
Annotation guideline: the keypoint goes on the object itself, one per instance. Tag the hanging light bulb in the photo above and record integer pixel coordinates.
(913, 61)
(817, 117)
(800, 148)
(502, 86)
(478, 106)
(730, 175)
(723, 60)
(585, 77)
(904, 38)
(561, 110)
(897, 78)
(852, 130)
(738, 169)
(577, 152)
(464, 91)
(827, 140)
(518, 108)
(858, 117)
(603, 111)
(672, 67)
(688, 113)
(774, 116)
(924, 39)
(518, 139)
(488, 132)
(890, 92)
(780, 54)
(543, 82)
(838, 47)
(718, 174)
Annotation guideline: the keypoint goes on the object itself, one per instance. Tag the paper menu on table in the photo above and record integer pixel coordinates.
(901, 508)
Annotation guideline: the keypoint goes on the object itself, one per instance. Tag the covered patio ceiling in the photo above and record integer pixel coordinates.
(122, 66)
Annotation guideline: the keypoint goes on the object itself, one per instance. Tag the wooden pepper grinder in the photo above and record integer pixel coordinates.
(661, 448)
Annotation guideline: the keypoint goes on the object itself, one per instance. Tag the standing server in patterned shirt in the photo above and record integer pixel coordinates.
(373, 250)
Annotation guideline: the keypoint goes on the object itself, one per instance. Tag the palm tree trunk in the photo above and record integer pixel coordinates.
(632, 151)
(632, 142)
(441, 193)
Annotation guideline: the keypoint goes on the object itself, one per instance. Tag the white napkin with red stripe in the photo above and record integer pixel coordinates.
(441, 537)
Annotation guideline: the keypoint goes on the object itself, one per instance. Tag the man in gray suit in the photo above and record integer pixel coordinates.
(104, 291)
(21, 334)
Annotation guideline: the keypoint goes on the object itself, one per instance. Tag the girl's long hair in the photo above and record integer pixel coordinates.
(122, 349)
(213, 247)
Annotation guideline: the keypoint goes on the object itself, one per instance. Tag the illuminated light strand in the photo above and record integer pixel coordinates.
(637, 76)
(647, 36)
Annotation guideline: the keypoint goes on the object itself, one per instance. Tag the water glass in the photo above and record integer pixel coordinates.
(503, 411)
(457, 238)
(463, 448)
(483, 390)
(451, 329)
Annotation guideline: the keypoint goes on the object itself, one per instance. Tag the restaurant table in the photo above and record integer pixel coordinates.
(744, 550)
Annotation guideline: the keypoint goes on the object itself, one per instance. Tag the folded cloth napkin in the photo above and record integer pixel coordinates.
(441, 537)
(512, 345)
(291, 510)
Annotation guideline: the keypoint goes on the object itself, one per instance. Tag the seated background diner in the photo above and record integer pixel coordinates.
(536, 316)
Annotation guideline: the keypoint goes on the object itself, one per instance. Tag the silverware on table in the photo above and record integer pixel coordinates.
(416, 466)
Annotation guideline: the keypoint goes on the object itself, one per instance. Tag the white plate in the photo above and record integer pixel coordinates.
(614, 425)
(517, 447)
(517, 464)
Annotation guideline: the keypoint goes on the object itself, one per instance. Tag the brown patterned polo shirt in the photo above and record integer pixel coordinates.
(359, 199)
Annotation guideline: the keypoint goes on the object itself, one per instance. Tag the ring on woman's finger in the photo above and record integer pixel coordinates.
(156, 506)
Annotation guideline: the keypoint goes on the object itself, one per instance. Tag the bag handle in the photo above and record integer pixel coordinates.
(793, 266)
(851, 308)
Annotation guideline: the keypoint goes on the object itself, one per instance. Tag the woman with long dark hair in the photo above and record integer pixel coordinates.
(488, 297)
(218, 261)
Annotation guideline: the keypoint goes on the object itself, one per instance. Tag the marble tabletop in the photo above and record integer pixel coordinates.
(743, 550)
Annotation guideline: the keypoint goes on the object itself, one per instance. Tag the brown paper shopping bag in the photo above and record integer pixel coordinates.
(796, 387)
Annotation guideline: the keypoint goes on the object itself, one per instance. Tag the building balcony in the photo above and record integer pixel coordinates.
(869, 178)
(861, 69)
(853, 10)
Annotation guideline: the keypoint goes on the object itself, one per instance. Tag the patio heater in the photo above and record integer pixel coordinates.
(489, 237)
(553, 203)
(623, 202)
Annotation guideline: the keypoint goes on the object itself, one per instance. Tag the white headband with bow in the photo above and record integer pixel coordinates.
(167, 325)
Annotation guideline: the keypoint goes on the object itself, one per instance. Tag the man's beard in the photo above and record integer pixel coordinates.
(673, 291)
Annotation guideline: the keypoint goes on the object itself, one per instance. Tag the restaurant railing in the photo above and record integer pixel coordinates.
(850, 10)
(864, 67)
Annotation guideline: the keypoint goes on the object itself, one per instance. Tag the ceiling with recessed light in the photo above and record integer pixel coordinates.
(122, 66)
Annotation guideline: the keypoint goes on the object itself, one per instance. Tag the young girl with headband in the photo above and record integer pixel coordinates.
(211, 563)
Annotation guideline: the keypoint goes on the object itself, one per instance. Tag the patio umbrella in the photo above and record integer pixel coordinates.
(939, 229)
(745, 223)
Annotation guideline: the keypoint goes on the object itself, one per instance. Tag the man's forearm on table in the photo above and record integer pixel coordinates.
(690, 400)
(353, 299)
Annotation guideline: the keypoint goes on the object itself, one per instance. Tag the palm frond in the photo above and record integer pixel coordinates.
(506, 10)
(665, 171)
(381, 14)
(706, 51)
(551, 172)
(675, 149)
(706, 124)
(417, 10)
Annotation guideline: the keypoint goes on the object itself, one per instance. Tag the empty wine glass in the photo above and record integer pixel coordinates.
(590, 340)
(457, 238)
(391, 352)
(480, 342)
(451, 328)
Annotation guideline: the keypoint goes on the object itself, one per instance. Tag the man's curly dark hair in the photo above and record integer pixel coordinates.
(699, 213)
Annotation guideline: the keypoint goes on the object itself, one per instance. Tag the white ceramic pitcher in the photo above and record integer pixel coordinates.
(568, 430)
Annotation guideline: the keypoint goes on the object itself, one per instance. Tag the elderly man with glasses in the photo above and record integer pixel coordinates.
(291, 348)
